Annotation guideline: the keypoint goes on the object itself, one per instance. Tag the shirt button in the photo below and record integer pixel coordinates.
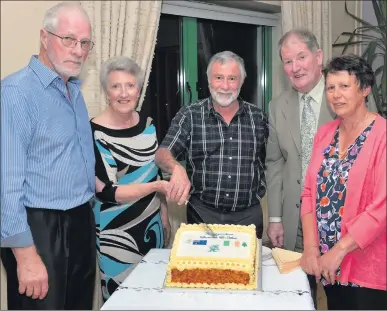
(226, 194)
(230, 158)
(229, 176)
(298, 205)
(298, 181)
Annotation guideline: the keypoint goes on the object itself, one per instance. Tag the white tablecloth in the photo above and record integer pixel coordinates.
(144, 290)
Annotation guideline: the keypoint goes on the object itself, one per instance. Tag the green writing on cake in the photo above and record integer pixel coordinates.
(214, 248)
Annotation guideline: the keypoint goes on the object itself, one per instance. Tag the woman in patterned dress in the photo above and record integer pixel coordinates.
(130, 207)
(344, 197)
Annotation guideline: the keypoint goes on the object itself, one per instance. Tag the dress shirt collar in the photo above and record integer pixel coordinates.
(317, 92)
(45, 74)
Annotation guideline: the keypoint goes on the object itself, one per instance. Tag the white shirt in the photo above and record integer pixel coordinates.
(317, 94)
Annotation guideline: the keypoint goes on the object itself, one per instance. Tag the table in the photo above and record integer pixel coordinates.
(143, 290)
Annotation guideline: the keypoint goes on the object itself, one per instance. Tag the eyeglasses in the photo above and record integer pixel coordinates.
(86, 45)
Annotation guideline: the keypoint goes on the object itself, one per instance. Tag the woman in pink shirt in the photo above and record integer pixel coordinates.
(344, 198)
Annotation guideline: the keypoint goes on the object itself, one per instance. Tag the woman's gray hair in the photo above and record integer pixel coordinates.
(51, 18)
(226, 56)
(121, 63)
(304, 35)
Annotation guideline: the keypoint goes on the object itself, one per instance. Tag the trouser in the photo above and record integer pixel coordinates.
(355, 298)
(66, 243)
(250, 216)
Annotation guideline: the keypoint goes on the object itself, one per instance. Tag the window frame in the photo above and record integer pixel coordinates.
(217, 12)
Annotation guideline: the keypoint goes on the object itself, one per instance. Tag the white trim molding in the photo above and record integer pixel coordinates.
(359, 13)
(216, 12)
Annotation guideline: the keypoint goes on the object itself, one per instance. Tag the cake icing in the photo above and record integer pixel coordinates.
(225, 245)
(201, 260)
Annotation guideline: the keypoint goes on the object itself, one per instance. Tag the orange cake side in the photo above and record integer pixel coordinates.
(210, 276)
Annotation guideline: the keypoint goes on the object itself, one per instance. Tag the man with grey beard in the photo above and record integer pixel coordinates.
(47, 171)
(223, 139)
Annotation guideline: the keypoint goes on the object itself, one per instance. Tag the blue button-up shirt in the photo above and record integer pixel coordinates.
(47, 156)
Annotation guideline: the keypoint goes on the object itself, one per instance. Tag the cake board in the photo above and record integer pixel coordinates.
(258, 273)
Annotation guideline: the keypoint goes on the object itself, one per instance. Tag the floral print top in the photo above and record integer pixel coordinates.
(332, 189)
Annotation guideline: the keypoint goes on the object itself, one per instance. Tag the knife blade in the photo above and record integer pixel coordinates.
(206, 226)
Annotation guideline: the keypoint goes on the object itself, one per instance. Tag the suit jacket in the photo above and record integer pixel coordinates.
(364, 217)
(283, 160)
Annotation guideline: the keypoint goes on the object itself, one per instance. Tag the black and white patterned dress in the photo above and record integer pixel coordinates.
(125, 232)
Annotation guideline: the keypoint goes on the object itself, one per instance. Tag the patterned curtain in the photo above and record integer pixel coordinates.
(314, 15)
(126, 28)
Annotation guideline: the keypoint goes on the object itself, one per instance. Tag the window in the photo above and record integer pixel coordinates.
(189, 34)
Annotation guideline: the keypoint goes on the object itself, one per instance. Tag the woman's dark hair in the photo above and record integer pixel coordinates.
(354, 65)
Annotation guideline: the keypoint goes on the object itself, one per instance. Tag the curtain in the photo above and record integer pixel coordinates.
(126, 28)
(313, 15)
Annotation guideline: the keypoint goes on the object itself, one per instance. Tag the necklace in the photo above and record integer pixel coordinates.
(360, 122)
(351, 133)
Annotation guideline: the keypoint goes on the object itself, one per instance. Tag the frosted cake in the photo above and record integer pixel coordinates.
(226, 261)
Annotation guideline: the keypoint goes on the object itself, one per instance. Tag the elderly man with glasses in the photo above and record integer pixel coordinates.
(47, 171)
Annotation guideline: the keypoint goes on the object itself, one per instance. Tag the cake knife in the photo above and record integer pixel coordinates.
(207, 227)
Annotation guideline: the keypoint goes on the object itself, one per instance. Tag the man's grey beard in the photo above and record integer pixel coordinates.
(221, 101)
(63, 72)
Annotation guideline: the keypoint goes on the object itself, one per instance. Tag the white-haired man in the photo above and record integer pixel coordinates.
(224, 139)
(47, 171)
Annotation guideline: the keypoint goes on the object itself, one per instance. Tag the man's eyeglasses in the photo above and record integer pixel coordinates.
(86, 45)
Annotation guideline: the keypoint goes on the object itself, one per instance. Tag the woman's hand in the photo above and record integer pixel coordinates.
(165, 218)
(310, 261)
(166, 227)
(163, 186)
(330, 262)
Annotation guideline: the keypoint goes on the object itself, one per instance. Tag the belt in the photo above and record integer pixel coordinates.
(221, 209)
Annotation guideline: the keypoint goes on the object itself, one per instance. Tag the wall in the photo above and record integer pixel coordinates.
(20, 25)
(279, 80)
(370, 17)
(341, 21)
